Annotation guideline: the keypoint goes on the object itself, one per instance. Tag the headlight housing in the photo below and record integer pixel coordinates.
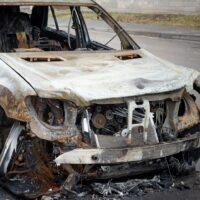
(52, 119)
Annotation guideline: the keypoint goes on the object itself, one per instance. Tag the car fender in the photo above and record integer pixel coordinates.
(13, 92)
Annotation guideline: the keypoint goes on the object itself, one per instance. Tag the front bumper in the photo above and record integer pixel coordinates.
(131, 154)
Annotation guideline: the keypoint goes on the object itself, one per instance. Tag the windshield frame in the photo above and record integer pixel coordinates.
(127, 42)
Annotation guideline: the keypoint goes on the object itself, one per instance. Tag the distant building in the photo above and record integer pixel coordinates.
(187, 7)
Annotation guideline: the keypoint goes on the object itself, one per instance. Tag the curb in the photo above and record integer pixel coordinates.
(157, 34)
(166, 35)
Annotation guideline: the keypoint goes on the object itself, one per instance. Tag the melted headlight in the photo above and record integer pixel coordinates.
(53, 120)
(50, 111)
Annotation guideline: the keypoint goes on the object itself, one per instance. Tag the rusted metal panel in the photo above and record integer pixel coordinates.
(191, 116)
(66, 133)
(13, 91)
(22, 40)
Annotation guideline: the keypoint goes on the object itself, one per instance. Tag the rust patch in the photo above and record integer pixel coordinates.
(34, 165)
(15, 109)
(22, 40)
(191, 116)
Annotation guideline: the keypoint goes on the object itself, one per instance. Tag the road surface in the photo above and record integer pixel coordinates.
(181, 52)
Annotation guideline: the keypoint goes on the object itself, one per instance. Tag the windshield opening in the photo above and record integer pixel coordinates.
(60, 28)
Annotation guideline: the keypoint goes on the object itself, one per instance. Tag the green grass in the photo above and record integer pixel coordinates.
(163, 19)
(174, 20)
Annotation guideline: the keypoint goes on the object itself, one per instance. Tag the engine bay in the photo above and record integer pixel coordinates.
(135, 123)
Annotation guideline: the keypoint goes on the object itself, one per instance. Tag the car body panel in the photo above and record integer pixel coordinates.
(85, 77)
(123, 155)
(13, 91)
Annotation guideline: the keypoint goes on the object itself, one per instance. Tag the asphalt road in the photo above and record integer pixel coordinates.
(181, 52)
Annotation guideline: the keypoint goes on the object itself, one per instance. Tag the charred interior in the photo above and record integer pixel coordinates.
(21, 30)
(26, 29)
(18, 31)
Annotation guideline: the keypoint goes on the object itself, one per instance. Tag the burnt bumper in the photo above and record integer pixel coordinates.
(131, 154)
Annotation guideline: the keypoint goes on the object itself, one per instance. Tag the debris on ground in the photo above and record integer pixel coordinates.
(136, 187)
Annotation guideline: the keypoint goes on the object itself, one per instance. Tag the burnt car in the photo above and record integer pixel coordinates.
(76, 108)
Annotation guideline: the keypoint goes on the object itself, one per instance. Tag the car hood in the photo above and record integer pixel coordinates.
(84, 77)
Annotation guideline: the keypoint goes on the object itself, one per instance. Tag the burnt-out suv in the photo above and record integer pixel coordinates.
(76, 105)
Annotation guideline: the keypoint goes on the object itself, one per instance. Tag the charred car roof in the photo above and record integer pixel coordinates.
(45, 2)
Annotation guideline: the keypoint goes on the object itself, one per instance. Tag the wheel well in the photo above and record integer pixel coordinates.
(4, 120)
